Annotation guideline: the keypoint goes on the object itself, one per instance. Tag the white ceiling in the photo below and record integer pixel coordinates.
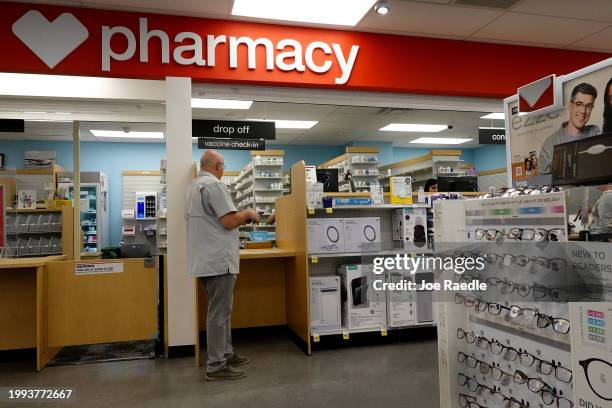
(338, 125)
(571, 24)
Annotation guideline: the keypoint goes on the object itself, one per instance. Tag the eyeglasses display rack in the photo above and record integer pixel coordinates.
(513, 344)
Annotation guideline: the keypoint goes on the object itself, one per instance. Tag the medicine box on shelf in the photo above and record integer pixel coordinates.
(362, 305)
(401, 304)
(325, 309)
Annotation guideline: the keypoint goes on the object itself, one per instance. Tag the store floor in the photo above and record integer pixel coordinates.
(280, 375)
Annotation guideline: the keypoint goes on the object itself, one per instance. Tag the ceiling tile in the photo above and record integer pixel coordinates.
(537, 29)
(600, 10)
(427, 18)
(599, 41)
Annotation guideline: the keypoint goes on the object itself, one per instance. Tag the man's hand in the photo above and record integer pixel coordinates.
(252, 216)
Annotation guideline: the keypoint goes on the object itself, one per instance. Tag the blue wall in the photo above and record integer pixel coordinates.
(489, 157)
(114, 158)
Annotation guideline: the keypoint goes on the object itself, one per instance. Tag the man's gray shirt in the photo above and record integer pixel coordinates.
(561, 136)
(212, 249)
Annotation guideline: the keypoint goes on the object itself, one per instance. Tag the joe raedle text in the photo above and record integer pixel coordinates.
(404, 285)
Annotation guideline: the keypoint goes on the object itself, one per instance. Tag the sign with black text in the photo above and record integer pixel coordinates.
(491, 136)
(230, 144)
(231, 129)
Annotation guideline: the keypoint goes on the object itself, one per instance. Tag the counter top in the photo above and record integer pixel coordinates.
(13, 263)
(266, 253)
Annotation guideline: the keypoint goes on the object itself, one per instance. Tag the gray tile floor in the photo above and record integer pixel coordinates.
(280, 375)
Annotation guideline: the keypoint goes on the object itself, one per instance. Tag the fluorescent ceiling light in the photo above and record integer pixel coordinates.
(220, 103)
(492, 127)
(131, 135)
(334, 12)
(413, 127)
(290, 124)
(494, 115)
(440, 140)
(35, 113)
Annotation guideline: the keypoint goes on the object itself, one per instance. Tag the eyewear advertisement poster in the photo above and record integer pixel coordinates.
(587, 112)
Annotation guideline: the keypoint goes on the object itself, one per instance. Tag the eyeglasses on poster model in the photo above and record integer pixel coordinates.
(499, 398)
(527, 359)
(547, 393)
(598, 373)
(559, 325)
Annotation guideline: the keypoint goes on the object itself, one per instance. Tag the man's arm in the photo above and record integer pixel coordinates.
(237, 218)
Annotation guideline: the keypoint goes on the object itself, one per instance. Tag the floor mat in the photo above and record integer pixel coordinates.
(95, 353)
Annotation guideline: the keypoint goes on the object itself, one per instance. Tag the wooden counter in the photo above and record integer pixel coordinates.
(23, 305)
(259, 294)
(265, 253)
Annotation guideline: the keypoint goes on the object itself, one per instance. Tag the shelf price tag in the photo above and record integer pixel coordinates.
(383, 331)
(329, 210)
(314, 259)
(345, 334)
(311, 211)
(315, 337)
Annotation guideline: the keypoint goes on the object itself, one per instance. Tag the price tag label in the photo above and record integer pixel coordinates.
(345, 334)
(329, 210)
(314, 259)
(383, 331)
(315, 337)
(311, 211)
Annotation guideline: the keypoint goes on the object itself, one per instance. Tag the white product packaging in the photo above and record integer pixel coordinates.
(362, 305)
(401, 304)
(362, 234)
(410, 226)
(325, 235)
(314, 195)
(325, 302)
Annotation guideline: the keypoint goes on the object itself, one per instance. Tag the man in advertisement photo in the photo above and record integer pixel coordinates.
(581, 105)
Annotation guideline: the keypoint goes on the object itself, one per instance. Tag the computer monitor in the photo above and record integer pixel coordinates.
(457, 184)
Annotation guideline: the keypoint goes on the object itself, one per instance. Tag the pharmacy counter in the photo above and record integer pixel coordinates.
(259, 294)
(23, 305)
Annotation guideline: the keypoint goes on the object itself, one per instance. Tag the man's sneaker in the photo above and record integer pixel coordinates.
(225, 374)
(237, 361)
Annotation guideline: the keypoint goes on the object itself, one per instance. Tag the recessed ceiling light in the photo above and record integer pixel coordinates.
(494, 115)
(413, 127)
(336, 12)
(382, 7)
(290, 124)
(440, 140)
(131, 135)
(220, 103)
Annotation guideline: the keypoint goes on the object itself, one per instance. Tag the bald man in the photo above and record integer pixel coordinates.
(214, 257)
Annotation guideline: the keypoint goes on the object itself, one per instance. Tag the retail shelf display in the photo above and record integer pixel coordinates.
(518, 335)
(361, 162)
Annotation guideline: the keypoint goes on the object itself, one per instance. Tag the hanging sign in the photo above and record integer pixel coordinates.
(491, 136)
(233, 129)
(230, 144)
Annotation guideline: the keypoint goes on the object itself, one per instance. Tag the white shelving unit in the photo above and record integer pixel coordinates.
(362, 162)
(258, 185)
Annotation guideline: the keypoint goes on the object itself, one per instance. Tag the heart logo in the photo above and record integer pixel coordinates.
(532, 93)
(50, 41)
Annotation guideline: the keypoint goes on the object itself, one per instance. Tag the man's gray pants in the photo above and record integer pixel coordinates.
(220, 292)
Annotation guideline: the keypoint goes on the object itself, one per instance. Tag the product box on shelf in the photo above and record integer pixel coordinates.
(326, 235)
(314, 195)
(362, 305)
(350, 202)
(401, 304)
(325, 302)
(362, 234)
(410, 226)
